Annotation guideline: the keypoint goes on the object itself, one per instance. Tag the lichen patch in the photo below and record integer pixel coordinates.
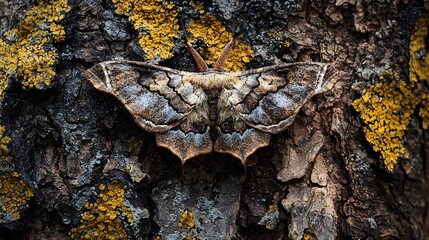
(156, 22)
(419, 62)
(386, 108)
(187, 226)
(15, 195)
(26, 52)
(215, 37)
(103, 218)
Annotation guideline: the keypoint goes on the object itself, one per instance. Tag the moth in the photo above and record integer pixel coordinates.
(194, 113)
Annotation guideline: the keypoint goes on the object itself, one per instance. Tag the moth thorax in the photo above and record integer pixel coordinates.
(211, 80)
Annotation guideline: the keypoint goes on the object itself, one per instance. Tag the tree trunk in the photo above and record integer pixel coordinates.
(352, 165)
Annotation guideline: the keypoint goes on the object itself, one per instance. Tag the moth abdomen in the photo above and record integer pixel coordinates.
(212, 101)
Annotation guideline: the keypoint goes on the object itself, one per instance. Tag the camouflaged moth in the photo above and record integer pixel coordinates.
(194, 113)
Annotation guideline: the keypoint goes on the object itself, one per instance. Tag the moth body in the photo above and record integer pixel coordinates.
(211, 79)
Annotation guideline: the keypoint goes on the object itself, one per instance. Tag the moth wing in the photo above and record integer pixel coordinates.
(233, 135)
(144, 90)
(241, 144)
(161, 100)
(192, 137)
(279, 92)
(265, 101)
(185, 145)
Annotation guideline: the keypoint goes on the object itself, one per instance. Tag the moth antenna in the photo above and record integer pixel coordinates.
(201, 64)
(220, 63)
(234, 20)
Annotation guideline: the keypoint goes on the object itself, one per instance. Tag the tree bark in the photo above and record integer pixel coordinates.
(92, 169)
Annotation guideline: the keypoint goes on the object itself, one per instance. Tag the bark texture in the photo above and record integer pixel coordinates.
(75, 146)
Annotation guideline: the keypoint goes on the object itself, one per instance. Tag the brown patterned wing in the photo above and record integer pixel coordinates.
(241, 144)
(265, 101)
(160, 100)
(282, 90)
(233, 135)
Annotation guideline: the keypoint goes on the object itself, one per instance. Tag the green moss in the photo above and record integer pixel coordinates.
(102, 220)
(23, 50)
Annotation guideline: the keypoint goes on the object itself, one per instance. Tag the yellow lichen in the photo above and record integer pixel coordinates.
(23, 52)
(387, 108)
(156, 22)
(424, 110)
(216, 36)
(15, 193)
(187, 226)
(5, 163)
(309, 235)
(4, 141)
(197, 7)
(14, 196)
(419, 61)
(102, 220)
(280, 37)
(23, 55)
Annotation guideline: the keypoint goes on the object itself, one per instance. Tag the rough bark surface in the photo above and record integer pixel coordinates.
(320, 176)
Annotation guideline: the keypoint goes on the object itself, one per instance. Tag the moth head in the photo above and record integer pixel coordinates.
(220, 63)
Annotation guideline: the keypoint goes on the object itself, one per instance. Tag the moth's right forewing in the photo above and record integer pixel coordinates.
(143, 89)
(283, 90)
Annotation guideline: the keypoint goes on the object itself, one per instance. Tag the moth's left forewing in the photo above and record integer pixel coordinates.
(144, 91)
(161, 100)
(282, 91)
